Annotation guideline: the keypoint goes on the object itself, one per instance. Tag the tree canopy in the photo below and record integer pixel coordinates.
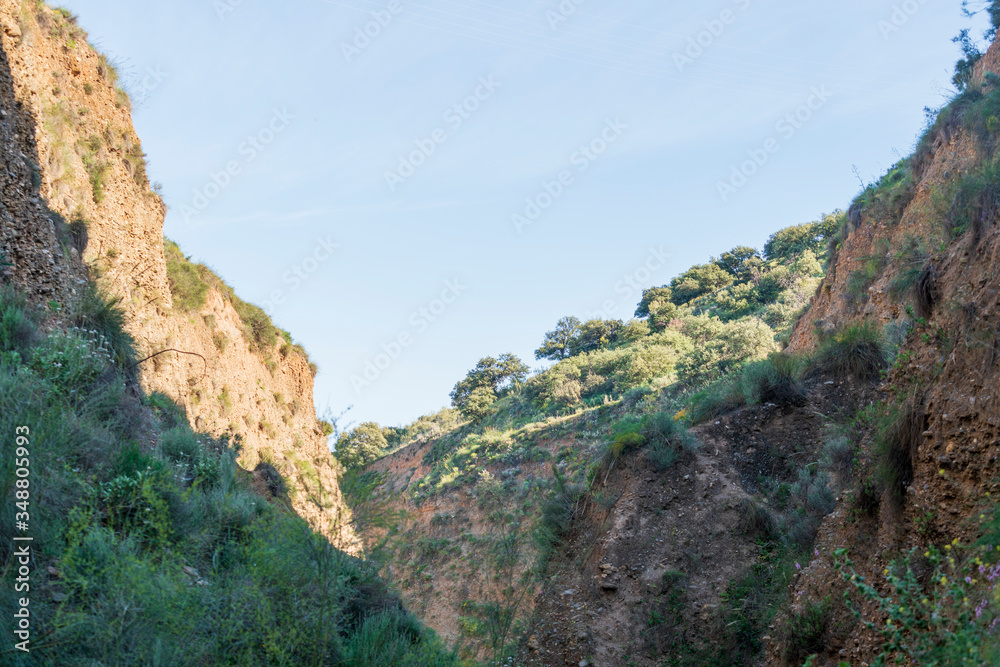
(489, 377)
(795, 240)
(699, 280)
(742, 262)
(558, 342)
(361, 446)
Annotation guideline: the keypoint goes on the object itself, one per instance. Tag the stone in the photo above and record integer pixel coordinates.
(608, 585)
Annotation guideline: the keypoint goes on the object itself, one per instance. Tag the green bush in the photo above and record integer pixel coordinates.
(666, 438)
(104, 317)
(70, 362)
(898, 434)
(18, 321)
(805, 631)
(976, 204)
(187, 287)
(939, 607)
(777, 379)
(857, 350)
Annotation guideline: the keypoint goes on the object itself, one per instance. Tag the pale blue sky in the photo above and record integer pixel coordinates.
(549, 81)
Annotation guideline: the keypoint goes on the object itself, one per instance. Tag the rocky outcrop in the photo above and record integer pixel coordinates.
(77, 202)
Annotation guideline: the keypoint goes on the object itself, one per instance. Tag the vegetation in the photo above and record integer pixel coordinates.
(940, 606)
(856, 350)
(777, 379)
(149, 545)
(189, 287)
(474, 396)
(361, 446)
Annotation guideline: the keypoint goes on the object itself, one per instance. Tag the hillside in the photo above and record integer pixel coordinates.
(774, 463)
(169, 495)
(83, 182)
(582, 514)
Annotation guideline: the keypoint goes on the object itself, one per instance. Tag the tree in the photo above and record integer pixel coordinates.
(490, 374)
(699, 280)
(652, 299)
(657, 304)
(992, 8)
(596, 334)
(965, 67)
(742, 262)
(557, 342)
(361, 446)
(792, 241)
(479, 404)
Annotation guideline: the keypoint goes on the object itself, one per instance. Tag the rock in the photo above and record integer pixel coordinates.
(53, 572)
(533, 643)
(584, 663)
(569, 592)
(608, 585)
(13, 30)
(190, 571)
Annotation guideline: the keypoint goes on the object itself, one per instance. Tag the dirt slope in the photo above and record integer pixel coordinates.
(76, 199)
(642, 575)
(950, 367)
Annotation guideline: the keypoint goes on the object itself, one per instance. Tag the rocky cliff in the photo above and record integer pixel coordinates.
(77, 201)
(919, 255)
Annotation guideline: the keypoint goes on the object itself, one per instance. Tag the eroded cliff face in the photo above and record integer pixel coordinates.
(77, 202)
(947, 374)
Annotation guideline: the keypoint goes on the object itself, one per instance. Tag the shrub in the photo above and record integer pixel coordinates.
(105, 318)
(897, 438)
(776, 379)
(977, 202)
(181, 447)
(838, 456)
(261, 332)
(857, 350)
(805, 630)
(186, 285)
(667, 439)
(70, 362)
(946, 618)
(18, 321)
(722, 347)
(756, 520)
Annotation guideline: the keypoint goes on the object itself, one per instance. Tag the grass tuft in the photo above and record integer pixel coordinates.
(857, 350)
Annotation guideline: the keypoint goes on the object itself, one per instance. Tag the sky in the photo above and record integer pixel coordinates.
(408, 186)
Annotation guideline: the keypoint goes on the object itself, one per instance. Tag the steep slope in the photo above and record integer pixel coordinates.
(567, 522)
(91, 208)
(576, 519)
(921, 255)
